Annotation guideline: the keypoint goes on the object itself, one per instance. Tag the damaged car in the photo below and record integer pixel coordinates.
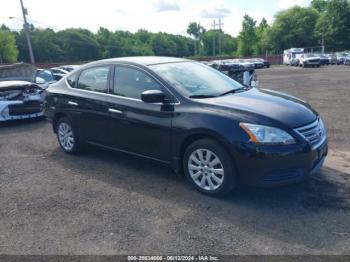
(20, 97)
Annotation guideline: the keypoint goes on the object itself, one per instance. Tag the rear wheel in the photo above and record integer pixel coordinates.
(66, 136)
(209, 168)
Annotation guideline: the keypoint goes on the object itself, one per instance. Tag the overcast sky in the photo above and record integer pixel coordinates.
(170, 16)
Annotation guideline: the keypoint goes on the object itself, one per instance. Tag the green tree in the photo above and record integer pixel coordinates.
(78, 45)
(247, 38)
(261, 34)
(334, 25)
(8, 48)
(163, 45)
(319, 5)
(46, 46)
(293, 27)
(196, 31)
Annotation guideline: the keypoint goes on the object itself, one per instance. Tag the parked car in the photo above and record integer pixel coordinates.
(309, 60)
(265, 62)
(324, 60)
(244, 64)
(347, 61)
(332, 58)
(341, 57)
(57, 70)
(69, 68)
(257, 64)
(20, 97)
(190, 117)
(234, 70)
(47, 76)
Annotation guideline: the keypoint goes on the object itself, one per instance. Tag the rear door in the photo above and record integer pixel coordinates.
(92, 104)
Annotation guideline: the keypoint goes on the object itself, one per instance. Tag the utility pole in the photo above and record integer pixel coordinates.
(214, 27)
(220, 24)
(26, 30)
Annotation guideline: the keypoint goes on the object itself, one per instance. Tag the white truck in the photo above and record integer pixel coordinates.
(289, 55)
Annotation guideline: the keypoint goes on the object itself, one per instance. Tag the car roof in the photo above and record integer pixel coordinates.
(143, 60)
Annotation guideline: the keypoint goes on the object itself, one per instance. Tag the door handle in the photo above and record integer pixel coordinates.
(115, 111)
(72, 103)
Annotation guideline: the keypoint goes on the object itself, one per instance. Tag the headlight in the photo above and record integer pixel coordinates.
(267, 135)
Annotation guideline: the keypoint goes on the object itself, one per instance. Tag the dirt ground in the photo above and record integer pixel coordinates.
(108, 203)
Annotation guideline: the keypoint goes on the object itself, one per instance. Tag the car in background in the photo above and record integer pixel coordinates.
(69, 68)
(47, 76)
(191, 117)
(58, 73)
(234, 70)
(20, 96)
(341, 57)
(57, 70)
(257, 64)
(265, 62)
(332, 58)
(309, 60)
(324, 60)
(244, 64)
(347, 61)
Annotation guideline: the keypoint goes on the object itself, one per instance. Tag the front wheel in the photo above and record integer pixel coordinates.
(66, 136)
(209, 168)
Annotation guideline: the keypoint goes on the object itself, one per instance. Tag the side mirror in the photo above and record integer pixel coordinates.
(153, 96)
(39, 80)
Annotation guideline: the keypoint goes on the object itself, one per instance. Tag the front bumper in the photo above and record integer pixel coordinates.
(15, 110)
(268, 166)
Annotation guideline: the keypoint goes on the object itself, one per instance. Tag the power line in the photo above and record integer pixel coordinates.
(214, 25)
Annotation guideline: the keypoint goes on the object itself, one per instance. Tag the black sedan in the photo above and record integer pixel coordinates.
(190, 117)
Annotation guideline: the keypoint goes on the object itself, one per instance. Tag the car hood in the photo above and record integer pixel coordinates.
(312, 58)
(16, 85)
(276, 106)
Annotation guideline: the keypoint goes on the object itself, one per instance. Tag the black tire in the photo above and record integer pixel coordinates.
(229, 182)
(77, 144)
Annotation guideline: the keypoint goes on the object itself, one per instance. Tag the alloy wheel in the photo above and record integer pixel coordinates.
(206, 169)
(66, 136)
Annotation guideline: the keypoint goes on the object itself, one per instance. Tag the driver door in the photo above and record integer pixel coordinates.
(138, 127)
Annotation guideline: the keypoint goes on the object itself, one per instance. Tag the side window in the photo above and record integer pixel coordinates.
(94, 79)
(72, 80)
(129, 82)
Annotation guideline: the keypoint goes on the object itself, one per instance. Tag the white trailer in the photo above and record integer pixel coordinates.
(289, 54)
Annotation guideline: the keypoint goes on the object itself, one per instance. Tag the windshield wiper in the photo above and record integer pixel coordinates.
(233, 91)
(202, 96)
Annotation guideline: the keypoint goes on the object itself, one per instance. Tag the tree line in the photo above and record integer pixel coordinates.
(323, 20)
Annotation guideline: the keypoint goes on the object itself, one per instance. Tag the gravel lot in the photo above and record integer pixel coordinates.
(109, 203)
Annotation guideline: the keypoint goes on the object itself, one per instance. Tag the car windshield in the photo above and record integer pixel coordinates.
(46, 75)
(196, 80)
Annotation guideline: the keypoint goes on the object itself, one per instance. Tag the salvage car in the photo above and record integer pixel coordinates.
(191, 117)
(20, 98)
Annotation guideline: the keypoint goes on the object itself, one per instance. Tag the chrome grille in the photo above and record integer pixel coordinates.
(314, 133)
